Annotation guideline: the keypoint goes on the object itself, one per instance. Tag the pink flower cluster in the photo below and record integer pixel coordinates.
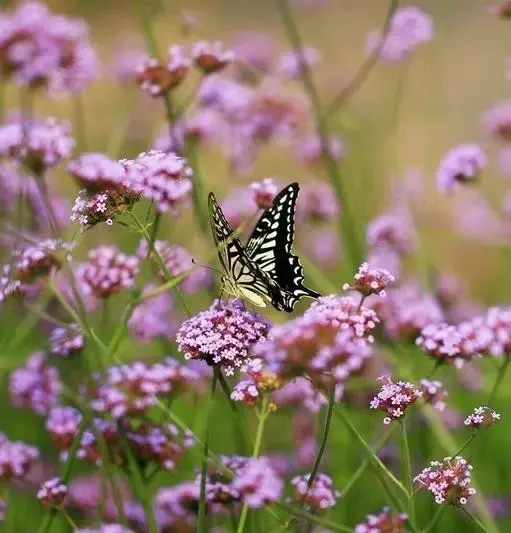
(434, 393)
(370, 281)
(66, 341)
(461, 164)
(394, 398)
(383, 522)
(320, 495)
(16, 458)
(482, 417)
(52, 492)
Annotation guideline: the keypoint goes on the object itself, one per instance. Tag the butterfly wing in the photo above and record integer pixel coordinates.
(270, 245)
(245, 277)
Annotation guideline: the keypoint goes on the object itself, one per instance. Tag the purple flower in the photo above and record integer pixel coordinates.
(497, 121)
(108, 271)
(178, 261)
(66, 341)
(391, 230)
(35, 385)
(300, 393)
(264, 192)
(222, 335)
(290, 63)
(482, 417)
(310, 149)
(96, 172)
(16, 458)
(370, 281)
(52, 492)
(320, 496)
(161, 177)
(321, 243)
(394, 398)
(317, 201)
(255, 49)
(409, 28)
(62, 424)
(210, 57)
(385, 258)
(245, 391)
(304, 436)
(498, 321)
(38, 144)
(434, 393)
(257, 483)
(448, 480)
(239, 206)
(176, 504)
(107, 528)
(461, 164)
(383, 522)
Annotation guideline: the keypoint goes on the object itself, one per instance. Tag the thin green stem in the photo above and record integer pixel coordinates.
(347, 226)
(435, 520)
(473, 519)
(408, 469)
(202, 526)
(296, 511)
(467, 443)
(262, 416)
(498, 381)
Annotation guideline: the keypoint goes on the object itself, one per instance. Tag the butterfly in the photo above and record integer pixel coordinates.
(264, 269)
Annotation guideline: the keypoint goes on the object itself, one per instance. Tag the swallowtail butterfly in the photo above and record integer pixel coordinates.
(264, 268)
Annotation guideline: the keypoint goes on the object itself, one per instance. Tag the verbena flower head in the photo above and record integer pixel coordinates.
(300, 393)
(461, 164)
(321, 244)
(321, 494)
(36, 385)
(16, 458)
(254, 49)
(482, 417)
(52, 492)
(289, 64)
(176, 505)
(409, 28)
(223, 335)
(66, 341)
(391, 230)
(384, 522)
(164, 178)
(332, 337)
(156, 78)
(62, 424)
(97, 172)
(210, 57)
(261, 381)
(370, 281)
(178, 261)
(108, 271)
(317, 201)
(310, 149)
(264, 192)
(434, 393)
(394, 398)
(39, 145)
(497, 121)
(107, 528)
(43, 49)
(448, 480)
(498, 321)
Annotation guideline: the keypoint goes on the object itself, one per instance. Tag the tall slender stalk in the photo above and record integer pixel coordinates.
(435, 520)
(408, 470)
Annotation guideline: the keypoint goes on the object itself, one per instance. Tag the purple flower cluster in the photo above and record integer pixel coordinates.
(497, 121)
(448, 480)
(16, 458)
(210, 57)
(62, 424)
(264, 192)
(394, 398)
(434, 393)
(383, 522)
(52, 492)
(482, 417)
(175, 505)
(317, 201)
(36, 385)
(461, 164)
(40, 48)
(370, 281)
(320, 495)
(310, 149)
(66, 341)
(290, 63)
(300, 393)
(223, 335)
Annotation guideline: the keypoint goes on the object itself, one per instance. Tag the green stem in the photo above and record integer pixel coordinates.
(202, 526)
(262, 416)
(473, 519)
(467, 444)
(347, 226)
(408, 469)
(498, 381)
(435, 520)
(333, 526)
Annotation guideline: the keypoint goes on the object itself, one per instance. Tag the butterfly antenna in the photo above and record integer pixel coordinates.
(206, 266)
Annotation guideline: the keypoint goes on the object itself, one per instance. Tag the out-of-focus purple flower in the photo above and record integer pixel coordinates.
(40, 48)
(385, 258)
(383, 522)
(322, 245)
(245, 391)
(394, 398)
(164, 178)
(434, 393)
(107, 528)
(108, 271)
(497, 121)
(35, 385)
(305, 442)
(482, 417)
(310, 149)
(406, 310)
(409, 28)
(239, 206)
(320, 496)
(16, 458)
(392, 231)
(175, 505)
(255, 49)
(300, 393)
(152, 318)
(97, 172)
(222, 335)
(52, 492)
(38, 144)
(264, 192)
(178, 261)
(461, 164)
(62, 424)
(448, 480)
(370, 281)
(262, 381)
(66, 341)
(210, 57)
(289, 64)
(498, 321)
(317, 201)
(156, 78)
(126, 63)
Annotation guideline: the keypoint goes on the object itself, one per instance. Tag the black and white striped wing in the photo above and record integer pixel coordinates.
(270, 245)
(238, 266)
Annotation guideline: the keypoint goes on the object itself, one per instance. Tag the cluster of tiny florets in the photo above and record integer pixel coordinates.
(482, 417)
(16, 458)
(461, 164)
(434, 393)
(52, 492)
(319, 495)
(383, 522)
(370, 281)
(394, 398)
(66, 341)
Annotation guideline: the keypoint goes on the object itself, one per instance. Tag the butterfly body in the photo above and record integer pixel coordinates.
(264, 269)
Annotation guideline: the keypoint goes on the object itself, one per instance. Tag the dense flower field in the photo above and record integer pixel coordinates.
(151, 384)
